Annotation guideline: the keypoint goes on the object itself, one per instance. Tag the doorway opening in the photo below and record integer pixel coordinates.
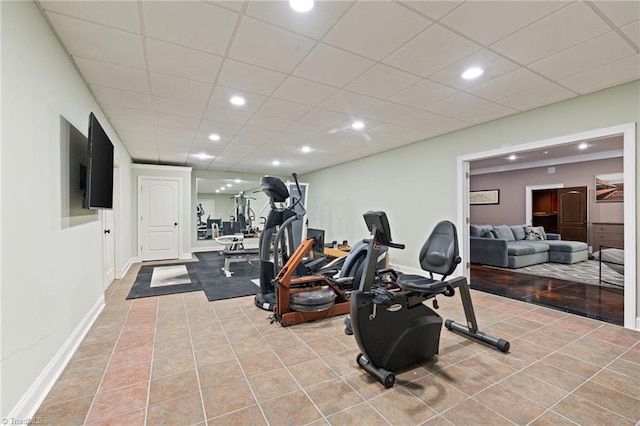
(627, 132)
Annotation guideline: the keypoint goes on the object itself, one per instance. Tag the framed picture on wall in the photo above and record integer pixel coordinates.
(485, 196)
(609, 188)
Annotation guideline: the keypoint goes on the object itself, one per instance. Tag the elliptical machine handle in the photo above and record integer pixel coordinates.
(395, 245)
(299, 199)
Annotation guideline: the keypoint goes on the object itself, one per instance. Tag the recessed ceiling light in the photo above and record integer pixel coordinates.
(471, 73)
(275, 162)
(228, 185)
(214, 137)
(306, 149)
(203, 156)
(358, 125)
(238, 181)
(223, 188)
(301, 5)
(217, 190)
(583, 145)
(512, 157)
(237, 100)
(545, 152)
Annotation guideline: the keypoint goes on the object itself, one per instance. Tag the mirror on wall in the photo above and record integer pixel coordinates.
(229, 206)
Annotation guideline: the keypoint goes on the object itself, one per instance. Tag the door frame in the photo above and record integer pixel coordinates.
(628, 132)
(180, 211)
(528, 198)
(117, 273)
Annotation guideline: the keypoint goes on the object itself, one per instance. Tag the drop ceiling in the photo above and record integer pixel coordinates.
(163, 72)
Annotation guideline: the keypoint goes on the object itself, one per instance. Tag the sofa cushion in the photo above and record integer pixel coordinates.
(533, 233)
(518, 232)
(475, 230)
(504, 232)
(566, 246)
(489, 233)
(518, 248)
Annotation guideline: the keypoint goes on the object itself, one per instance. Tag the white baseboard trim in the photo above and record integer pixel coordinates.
(217, 247)
(31, 400)
(126, 267)
(638, 323)
(186, 256)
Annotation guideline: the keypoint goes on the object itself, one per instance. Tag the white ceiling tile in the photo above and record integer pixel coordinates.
(360, 29)
(562, 29)
(433, 9)
(128, 114)
(386, 111)
(192, 24)
(112, 75)
(314, 24)
(177, 144)
(283, 109)
(224, 130)
(305, 128)
(260, 134)
(268, 46)
(173, 106)
(234, 116)
(178, 61)
(543, 95)
(347, 102)
(492, 64)
(509, 84)
(179, 88)
(272, 123)
(288, 139)
(633, 31)
(487, 112)
(431, 122)
(88, 40)
(136, 130)
(117, 97)
(303, 91)
(382, 81)
(328, 65)
(456, 104)
(323, 117)
(431, 51)
(168, 133)
(242, 144)
(179, 121)
(601, 50)
(221, 95)
(612, 74)
(249, 77)
(620, 12)
(423, 93)
(472, 18)
(121, 15)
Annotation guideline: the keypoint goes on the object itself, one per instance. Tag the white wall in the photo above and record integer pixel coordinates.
(51, 277)
(416, 184)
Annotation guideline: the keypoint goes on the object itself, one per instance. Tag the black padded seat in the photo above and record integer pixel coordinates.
(439, 255)
(241, 252)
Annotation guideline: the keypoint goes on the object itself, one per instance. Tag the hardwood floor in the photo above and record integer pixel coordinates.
(592, 301)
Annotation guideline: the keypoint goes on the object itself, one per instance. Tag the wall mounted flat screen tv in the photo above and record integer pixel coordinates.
(99, 182)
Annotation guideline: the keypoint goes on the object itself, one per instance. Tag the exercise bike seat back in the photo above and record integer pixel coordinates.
(439, 255)
(274, 188)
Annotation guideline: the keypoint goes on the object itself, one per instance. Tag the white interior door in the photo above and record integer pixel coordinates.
(108, 247)
(158, 222)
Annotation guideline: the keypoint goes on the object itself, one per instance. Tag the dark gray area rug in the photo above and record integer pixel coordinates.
(205, 275)
(582, 272)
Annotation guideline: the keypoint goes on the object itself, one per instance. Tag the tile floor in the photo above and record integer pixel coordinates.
(182, 360)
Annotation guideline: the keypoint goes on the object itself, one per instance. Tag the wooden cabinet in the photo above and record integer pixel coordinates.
(608, 234)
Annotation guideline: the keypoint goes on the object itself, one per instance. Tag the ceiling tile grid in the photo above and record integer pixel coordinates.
(164, 72)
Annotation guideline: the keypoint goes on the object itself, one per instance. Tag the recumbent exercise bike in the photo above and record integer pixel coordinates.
(392, 326)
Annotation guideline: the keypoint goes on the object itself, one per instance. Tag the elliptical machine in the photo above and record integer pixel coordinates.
(276, 240)
(393, 328)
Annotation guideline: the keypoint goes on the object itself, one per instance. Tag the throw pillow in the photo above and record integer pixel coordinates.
(533, 233)
(504, 232)
(518, 232)
(488, 233)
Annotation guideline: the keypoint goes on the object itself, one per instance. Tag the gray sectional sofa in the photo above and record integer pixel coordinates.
(520, 245)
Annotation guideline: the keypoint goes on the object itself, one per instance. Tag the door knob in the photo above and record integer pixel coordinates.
(175, 223)
(107, 231)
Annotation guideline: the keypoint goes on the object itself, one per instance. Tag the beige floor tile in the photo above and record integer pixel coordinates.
(74, 388)
(311, 372)
(174, 386)
(85, 366)
(71, 412)
(534, 389)
(184, 410)
(174, 364)
(435, 391)
(402, 407)
(246, 416)
(260, 363)
(214, 355)
(471, 412)
(291, 409)
(133, 418)
(272, 384)
(222, 400)
(610, 399)
(618, 382)
(213, 375)
(509, 404)
(586, 413)
(116, 378)
(552, 419)
(554, 376)
(118, 401)
(333, 396)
